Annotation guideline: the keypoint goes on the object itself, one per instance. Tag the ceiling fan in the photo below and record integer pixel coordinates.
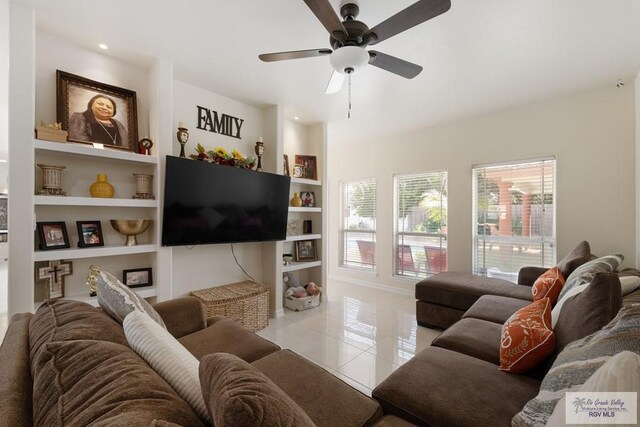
(350, 38)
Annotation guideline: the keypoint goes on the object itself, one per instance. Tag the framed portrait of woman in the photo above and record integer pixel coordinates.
(97, 113)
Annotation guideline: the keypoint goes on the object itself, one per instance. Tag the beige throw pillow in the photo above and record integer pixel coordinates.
(167, 357)
(620, 374)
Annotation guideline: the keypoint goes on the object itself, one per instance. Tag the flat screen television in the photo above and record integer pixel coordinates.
(206, 203)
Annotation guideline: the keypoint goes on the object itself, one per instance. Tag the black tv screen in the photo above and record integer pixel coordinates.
(207, 203)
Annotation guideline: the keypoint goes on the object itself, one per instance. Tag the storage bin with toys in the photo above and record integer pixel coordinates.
(298, 297)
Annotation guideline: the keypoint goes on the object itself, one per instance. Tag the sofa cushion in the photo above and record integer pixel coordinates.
(629, 284)
(548, 285)
(527, 338)
(620, 374)
(574, 259)
(118, 299)
(15, 375)
(224, 335)
(327, 400)
(167, 357)
(433, 389)
(66, 320)
(578, 361)
(584, 274)
(494, 308)
(588, 311)
(461, 290)
(239, 395)
(473, 337)
(100, 383)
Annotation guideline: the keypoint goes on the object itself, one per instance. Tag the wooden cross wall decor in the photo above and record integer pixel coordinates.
(55, 274)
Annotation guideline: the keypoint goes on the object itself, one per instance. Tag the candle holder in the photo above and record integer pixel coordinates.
(143, 186)
(51, 180)
(183, 137)
(259, 149)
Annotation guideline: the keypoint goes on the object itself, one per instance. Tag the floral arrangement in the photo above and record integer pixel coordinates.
(220, 156)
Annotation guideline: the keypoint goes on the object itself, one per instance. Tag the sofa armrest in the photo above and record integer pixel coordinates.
(182, 316)
(528, 275)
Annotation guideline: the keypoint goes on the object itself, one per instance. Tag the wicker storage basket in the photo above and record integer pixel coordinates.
(245, 302)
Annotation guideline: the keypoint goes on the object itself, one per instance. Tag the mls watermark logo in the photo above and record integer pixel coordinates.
(602, 408)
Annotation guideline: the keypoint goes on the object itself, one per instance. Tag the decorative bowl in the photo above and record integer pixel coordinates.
(131, 228)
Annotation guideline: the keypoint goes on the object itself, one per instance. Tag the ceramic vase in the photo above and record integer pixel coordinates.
(101, 188)
(296, 201)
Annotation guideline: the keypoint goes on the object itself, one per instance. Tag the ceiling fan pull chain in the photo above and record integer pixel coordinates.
(349, 112)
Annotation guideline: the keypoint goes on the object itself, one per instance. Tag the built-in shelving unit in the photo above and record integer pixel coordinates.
(90, 201)
(99, 251)
(89, 151)
(304, 237)
(314, 209)
(296, 266)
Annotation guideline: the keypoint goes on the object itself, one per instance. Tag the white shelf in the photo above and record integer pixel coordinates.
(305, 181)
(88, 150)
(93, 201)
(100, 251)
(304, 237)
(293, 209)
(295, 266)
(146, 292)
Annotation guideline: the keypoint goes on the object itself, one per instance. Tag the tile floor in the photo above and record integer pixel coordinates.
(359, 334)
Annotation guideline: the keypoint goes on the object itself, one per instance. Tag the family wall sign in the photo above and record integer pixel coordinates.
(223, 124)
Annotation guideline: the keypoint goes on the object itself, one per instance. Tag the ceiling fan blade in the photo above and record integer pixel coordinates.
(294, 54)
(328, 17)
(413, 15)
(335, 82)
(398, 66)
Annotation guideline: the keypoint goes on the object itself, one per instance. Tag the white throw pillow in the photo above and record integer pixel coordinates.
(620, 373)
(167, 357)
(629, 284)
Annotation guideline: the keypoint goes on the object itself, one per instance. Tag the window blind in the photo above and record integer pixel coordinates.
(358, 228)
(513, 217)
(420, 218)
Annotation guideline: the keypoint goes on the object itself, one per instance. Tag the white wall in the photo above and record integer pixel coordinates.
(637, 91)
(592, 135)
(53, 54)
(198, 267)
(4, 82)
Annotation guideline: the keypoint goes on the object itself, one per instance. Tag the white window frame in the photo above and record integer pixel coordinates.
(367, 243)
(545, 242)
(421, 264)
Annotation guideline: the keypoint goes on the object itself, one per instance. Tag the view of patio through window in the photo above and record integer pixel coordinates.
(513, 217)
(420, 218)
(358, 228)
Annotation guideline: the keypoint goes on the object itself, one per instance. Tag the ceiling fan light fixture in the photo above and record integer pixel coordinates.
(349, 57)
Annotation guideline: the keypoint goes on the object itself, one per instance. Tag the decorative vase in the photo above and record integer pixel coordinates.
(51, 180)
(101, 188)
(143, 186)
(296, 201)
(131, 228)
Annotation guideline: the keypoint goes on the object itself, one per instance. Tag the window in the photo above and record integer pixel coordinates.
(513, 217)
(420, 218)
(358, 230)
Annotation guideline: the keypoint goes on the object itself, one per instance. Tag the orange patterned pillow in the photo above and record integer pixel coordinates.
(527, 338)
(548, 285)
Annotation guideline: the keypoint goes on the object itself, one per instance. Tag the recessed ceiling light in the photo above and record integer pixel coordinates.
(103, 46)
(296, 118)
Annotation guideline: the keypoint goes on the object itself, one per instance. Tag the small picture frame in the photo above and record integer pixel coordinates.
(298, 171)
(285, 170)
(306, 250)
(308, 199)
(52, 235)
(89, 234)
(137, 277)
(309, 166)
(306, 226)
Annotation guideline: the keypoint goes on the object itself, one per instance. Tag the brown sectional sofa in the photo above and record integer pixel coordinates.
(74, 348)
(456, 381)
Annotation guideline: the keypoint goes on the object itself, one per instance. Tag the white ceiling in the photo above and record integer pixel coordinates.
(480, 56)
